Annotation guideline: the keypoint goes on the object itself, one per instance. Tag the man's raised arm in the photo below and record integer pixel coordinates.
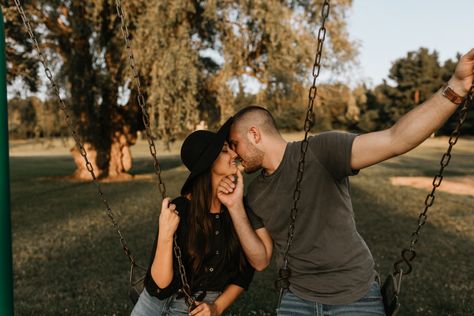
(418, 124)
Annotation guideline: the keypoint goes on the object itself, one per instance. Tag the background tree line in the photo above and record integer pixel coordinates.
(195, 60)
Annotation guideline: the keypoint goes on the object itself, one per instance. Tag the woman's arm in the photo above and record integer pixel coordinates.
(230, 294)
(162, 266)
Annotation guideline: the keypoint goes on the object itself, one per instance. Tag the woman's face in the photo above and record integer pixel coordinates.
(225, 164)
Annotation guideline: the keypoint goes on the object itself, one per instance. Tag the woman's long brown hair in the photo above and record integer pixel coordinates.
(200, 226)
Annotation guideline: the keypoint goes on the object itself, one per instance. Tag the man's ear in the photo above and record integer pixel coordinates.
(254, 134)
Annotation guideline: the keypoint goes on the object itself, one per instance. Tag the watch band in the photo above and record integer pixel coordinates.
(452, 96)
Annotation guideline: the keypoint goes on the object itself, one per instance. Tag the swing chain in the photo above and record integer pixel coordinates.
(70, 124)
(186, 289)
(285, 273)
(140, 96)
(409, 254)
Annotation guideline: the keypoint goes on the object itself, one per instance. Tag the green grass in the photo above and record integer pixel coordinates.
(68, 260)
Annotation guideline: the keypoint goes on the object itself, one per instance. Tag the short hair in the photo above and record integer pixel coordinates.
(258, 115)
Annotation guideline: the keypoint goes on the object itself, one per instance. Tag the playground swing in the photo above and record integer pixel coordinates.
(392, 285)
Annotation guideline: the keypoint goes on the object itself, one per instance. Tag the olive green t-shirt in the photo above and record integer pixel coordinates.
(329, 260)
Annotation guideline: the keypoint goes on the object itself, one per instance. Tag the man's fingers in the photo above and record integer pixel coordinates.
(172, 207)
(222, 189)
(470, 54)
(228, 186)
(240, 178)
(229, 180)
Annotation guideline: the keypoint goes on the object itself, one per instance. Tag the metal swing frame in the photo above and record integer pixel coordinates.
(6, 267)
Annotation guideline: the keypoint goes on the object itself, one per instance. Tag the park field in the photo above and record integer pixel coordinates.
(68, 260)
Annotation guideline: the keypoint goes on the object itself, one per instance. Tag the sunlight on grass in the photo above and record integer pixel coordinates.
(68, 260)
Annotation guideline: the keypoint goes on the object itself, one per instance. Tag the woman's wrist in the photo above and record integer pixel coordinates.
(165, 237)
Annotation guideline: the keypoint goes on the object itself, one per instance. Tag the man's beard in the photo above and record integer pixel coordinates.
(253, 161)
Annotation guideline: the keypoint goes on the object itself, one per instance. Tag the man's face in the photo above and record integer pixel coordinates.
(251, 157)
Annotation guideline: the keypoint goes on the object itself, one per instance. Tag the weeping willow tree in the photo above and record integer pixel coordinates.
(193, 57)
(198, 54)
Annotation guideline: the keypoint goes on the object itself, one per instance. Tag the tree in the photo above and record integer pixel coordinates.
(417, 76)
(80, 39)
(174, 43)
(271, 42)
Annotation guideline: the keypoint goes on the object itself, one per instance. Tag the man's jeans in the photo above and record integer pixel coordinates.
(370, 305)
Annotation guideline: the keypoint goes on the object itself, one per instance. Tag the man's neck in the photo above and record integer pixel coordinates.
(274, 156)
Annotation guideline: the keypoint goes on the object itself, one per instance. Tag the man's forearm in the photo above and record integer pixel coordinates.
(417, 125)
(252, 245)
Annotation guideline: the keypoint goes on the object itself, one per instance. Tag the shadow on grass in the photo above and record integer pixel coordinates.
(410, 166)
(442, 280)
(68, 261)
(26, 168)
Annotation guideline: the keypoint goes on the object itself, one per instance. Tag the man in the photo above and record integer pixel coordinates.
(332, 268)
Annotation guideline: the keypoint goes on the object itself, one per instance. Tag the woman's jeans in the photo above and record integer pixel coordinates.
(370, 305)
(148, 305)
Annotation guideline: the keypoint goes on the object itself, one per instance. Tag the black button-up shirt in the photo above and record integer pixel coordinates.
(216, 273)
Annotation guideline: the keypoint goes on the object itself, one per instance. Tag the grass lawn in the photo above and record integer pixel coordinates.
(68, 260)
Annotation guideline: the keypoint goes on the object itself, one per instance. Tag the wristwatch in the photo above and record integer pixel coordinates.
(448, 93)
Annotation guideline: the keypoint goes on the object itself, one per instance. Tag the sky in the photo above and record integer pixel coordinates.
(387, 29)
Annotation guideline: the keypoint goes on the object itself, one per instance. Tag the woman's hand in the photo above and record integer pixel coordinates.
(205, 309)
(169, 219)
(231, 190)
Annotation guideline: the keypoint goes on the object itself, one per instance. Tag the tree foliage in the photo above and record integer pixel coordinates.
(415, 78)
(192, 56)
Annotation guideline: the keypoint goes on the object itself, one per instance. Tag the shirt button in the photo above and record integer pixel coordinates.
(211, 269)
(217, 232)
(217, 252)
(217, 216)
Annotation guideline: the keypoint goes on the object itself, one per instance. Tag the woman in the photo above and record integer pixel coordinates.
(216, 268)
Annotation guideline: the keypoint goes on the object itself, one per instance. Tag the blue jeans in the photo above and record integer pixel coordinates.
(370, 305)
(148, 305)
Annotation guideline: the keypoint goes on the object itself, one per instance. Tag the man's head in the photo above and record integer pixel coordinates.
(250, 135)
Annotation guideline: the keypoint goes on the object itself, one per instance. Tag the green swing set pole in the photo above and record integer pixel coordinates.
(6, 279)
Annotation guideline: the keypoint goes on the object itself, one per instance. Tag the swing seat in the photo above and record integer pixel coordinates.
(137, 284)
(390, 294)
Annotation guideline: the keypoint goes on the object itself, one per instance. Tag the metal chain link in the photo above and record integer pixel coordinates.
(186, 289)
(409, 254)
(284, 273)
(71, 126)
(140, 97)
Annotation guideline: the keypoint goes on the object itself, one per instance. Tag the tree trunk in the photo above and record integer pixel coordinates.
(119, 159)
(121, 156)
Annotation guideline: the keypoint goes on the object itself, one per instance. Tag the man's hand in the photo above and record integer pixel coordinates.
(462, 79)
(205, 309)
(231, 190)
